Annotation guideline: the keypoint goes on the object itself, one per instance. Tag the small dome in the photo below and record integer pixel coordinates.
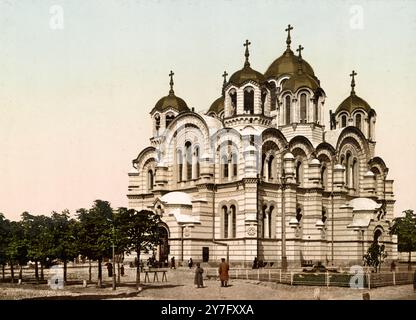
(288, 155)
(250, 148)
(300, 80)
(287, 63)
(246, 74)
(353, 102)
(217, 106)
(369, 174)
(171, 101)
(177, 197)
(364, 204)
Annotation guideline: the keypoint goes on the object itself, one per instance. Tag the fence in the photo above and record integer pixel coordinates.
(329, 279)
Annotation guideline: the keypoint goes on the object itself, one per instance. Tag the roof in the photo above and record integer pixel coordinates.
(287, 63)
(364, 204)
(217, 106)
(213, 124)
(332, 136)
(300, 80)
(177, 197)
(246, 74)
(170, 101)
(352, 103)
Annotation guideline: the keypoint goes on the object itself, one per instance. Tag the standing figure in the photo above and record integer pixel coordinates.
(223, 272)
(255, 263)
(110, 269)
(198, 281)
(122, 270)
(172, 263)
(190, 263)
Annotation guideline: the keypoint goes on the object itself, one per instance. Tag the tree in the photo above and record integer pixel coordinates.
(16, 250)
(95, 233)
(375, 255)
(405, 229)
(39, 239)
(4, 240)
(62, 234)
(141, 230)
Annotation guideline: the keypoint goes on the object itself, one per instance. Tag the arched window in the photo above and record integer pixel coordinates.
(263, 99)
(233, 97)
(157, 123)
(348, 170)
(271, 167)
(343, 121)
(299, 172)
(324, 215)
(358, 121)
(324, 177)
(271, 209)
(188, 156)
(315, 111)
(234, 221)
(169, 119)
(224, 164)
(234, 162)
(299, 213)
(197, 162)
(287, 109)
(355, 175)
(249, 100)
(179, 161)
(225, 216)
(303, 108)
(150, 180)
(264, 222)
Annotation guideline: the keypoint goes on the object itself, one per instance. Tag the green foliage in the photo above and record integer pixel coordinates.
(16, 250)
(375, 255)
(4, 238)
(62, 231)
(405, 229)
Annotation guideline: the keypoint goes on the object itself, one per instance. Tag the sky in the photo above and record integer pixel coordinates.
(79, 78)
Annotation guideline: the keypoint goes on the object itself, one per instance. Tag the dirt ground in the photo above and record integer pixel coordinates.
(180, 286)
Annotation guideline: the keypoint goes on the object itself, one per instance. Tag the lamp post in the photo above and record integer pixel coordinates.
(284, 258)
(113, 259)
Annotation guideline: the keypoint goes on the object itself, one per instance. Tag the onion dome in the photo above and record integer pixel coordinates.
(171, 100)
(287, 63)
(301, 78)
(218, 105)
(247, 73)
(353, 102)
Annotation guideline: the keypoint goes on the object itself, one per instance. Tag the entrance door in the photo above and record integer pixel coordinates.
(164, 246)
(205, 254)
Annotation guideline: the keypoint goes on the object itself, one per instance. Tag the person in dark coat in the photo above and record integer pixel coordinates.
(198, 281)
(110, 269)
(255, 263)
(190, 263)
(223, 272)
(172, 263)
(122, 270)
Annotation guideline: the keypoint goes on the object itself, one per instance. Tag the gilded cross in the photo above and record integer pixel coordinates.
(299, 50)
(288, 40)
(352, 75)
(247, 54)
(171, 74)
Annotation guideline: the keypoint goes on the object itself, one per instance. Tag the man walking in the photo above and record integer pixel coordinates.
(223, 272)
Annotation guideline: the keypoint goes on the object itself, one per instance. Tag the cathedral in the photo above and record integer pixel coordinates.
(258, 175)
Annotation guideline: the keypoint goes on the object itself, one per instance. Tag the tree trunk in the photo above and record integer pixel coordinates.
(12, 271)
(89, 270)
(36, 271)
(3, 271)
(409, 267)
(41, 272)
(138, 270)
(65, 269)
(100, 275)
(21, 272)
(118, 273)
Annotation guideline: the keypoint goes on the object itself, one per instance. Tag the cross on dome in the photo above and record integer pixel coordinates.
(352, 75)
(288, 40)
(247, 53)
(171, 74)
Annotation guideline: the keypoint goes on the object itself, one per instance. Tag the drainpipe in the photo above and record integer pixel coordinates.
(332, 211)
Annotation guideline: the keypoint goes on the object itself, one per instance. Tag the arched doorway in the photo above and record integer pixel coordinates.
(163, 247)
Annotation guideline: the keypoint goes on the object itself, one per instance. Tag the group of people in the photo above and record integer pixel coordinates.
(110, 269)
(222, 272)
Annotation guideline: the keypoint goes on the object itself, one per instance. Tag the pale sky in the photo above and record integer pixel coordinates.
(75, 102)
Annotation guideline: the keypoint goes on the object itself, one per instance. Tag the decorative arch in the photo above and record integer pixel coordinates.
(354, 136)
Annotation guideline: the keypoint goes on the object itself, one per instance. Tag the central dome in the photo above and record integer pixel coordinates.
(352, 103)
(287, 63)
(171, 101)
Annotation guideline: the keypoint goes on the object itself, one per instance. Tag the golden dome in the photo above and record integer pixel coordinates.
(246, 74)
(170, 101)
(287, 63)
(353, 102)
(217, 106)
(299, 80)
